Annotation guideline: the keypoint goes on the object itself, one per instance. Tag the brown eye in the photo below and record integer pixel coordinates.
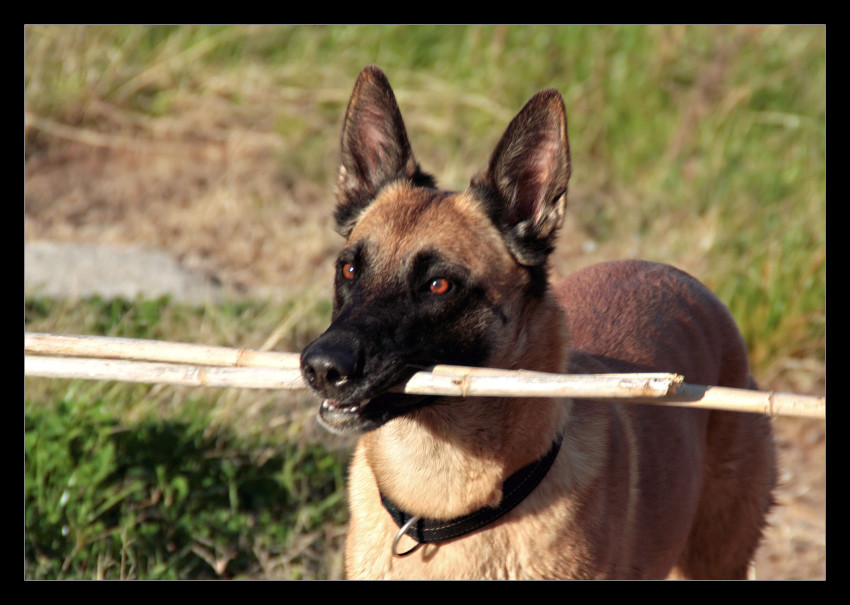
(348, 271)
(439, 286)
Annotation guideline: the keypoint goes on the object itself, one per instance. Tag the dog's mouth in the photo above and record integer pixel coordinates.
(359, 392)
(345, 417)
(342, 418)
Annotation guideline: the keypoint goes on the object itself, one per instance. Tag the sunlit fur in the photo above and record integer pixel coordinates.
(637, 491)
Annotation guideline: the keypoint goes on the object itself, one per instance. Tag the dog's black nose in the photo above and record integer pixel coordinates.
(328, 369)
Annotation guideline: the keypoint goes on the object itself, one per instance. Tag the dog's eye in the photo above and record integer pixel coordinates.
(439, 286)
(348, 271)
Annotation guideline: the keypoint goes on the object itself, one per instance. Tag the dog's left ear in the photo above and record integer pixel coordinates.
(374, 150)
(525, 183)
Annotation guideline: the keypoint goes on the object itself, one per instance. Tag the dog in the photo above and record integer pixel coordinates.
(505, 488)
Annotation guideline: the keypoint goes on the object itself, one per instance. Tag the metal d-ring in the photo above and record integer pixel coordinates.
(400, 533)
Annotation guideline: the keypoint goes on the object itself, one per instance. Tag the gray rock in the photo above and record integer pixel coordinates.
(73, 271)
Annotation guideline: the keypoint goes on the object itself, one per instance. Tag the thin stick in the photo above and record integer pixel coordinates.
(470, 384)
(770, 403)
(222, 367)
(162, 373)
(649, 385)
(155, 350)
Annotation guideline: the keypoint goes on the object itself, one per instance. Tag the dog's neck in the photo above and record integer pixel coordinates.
(452, 457)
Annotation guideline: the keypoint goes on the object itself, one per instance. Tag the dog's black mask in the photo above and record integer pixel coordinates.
(380, 336)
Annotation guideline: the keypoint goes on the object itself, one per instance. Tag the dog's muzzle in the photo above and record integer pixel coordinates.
(352, 401)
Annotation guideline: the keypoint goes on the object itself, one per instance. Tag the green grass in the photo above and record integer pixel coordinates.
(702, 146)
(169, 499)
(146, 482)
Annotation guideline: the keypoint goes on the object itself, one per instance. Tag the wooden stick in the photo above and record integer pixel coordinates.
(155, 350)
(770, 403)
(222, 367)
(455, 381)
(444, 380)
(124, 370)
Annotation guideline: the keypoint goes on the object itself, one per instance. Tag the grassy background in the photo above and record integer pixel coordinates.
(702, 146)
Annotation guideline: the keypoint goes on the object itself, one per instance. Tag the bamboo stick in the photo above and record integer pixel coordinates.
(93, 368)
(137, 360)
(154, 350)
(770, 403)
(452, 380)
(470, 384)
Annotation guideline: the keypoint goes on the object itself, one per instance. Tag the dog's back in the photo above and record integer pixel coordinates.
(635, 316)
(641, 317)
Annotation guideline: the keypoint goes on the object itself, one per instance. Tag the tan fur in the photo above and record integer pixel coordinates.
(629, 496)
(636, 491)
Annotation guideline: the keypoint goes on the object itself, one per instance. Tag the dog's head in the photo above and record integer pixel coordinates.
(426, 276)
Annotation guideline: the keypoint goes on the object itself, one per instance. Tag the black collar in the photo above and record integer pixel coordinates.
(515, 489)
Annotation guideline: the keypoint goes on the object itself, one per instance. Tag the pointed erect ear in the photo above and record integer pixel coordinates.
(525, 183)
(375, 149)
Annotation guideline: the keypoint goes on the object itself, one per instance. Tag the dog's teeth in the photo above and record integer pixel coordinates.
(335, 405)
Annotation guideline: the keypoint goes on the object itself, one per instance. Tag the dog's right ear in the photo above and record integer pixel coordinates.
(375, 148)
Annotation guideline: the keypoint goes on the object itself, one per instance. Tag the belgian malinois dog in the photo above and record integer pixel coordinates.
(503, 488)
